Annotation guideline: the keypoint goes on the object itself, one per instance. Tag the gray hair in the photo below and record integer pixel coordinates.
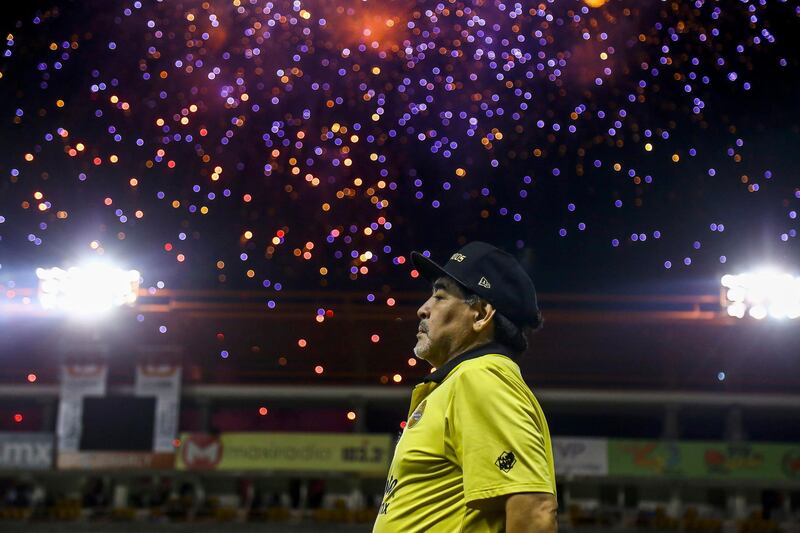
(507, 332)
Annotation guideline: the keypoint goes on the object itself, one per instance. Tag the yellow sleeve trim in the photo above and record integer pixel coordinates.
(507, 489)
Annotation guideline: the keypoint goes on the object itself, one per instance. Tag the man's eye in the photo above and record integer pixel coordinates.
(437, 297)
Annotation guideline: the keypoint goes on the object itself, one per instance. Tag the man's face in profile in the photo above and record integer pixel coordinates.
(445, 321)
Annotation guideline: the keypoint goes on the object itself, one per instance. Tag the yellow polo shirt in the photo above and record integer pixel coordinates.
(475, 431)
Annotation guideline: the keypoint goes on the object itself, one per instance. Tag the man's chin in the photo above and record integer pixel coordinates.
(421, 349)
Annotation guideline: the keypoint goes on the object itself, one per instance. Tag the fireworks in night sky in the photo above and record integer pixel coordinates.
(294, 145)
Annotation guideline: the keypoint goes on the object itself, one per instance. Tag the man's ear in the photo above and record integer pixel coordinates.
(485, 312)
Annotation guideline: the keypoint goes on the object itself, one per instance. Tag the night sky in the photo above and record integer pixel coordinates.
(621, 146)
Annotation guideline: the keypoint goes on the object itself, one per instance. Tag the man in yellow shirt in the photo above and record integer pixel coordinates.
(475, 455)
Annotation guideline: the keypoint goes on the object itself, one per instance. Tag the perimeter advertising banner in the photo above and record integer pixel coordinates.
(116, 461)
(704, 460)
(580, 456)
(26, 451)
(296, 452)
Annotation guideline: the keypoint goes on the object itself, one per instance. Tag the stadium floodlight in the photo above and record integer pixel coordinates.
(87, 291)
(761, 294)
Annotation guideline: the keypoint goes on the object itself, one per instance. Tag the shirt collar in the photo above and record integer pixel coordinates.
(485, 349)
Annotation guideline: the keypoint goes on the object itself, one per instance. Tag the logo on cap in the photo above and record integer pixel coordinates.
(485, 283)
(458, 257)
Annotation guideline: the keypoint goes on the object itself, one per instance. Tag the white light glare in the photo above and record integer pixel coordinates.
(737, 309)
(758, 312)
(761, 294)
(88, 290)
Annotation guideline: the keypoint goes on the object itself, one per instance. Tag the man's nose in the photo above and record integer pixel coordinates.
(422, 312)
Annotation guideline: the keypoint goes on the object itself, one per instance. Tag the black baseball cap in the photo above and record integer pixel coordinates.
(492, 274)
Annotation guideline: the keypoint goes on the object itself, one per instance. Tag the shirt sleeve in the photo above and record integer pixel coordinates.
(498, 435)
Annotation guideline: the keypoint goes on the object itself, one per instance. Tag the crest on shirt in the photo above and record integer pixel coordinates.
(416, 416)
(506, 461)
